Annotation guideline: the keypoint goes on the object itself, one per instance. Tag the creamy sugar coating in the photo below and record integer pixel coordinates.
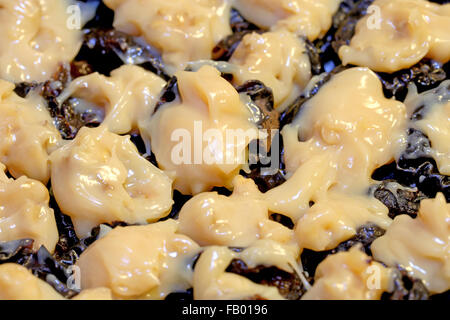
(182, 30)
(36, 38)
(27, 134)
(349, 276)
(435, 124)
(335, 219)
(17, 283)
(238, 220)
(100, 177)
(148, 261)
(212, 282)
(351, 118)
(399, 34)
(203, 138)
(340, 136)
(421, 245)
(24, 212)
(126, 97)
(278, 59)
(308, 18)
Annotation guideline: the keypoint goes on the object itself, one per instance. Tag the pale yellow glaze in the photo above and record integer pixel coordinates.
(349, 276)
(238, 220)
(308, 18)
(36, 38)
(335, 219)
(27, 134)
(100, 177)
(421, 245)
(189, 137)
(278, 59)
(212, 282)
(351, 118)
(340, 136)
(17, 283)
(182, 30)
(435, 123)
(139, 261)
(24, 212)
(126, 97)
(398, 34)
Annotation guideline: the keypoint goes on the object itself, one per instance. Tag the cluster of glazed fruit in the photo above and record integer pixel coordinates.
(346, 197)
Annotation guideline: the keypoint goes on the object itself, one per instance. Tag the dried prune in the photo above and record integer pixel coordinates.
(104, 16)
(282, 219)
(238, 23)
(16, 251)
(425, 75)
(399, 199)
(240, 27)
(266, 167)
(365, 235)
(265, 181)
(289, 114)
(169, 93)
(187, 295)
(140, 145)
(179, 200)
(49, 269)
(345, 20)
(289, 285)
(108, 49)
(406, 287)
(261, 105)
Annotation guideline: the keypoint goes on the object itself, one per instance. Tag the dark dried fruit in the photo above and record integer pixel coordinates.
(238, 23)
(399, 199)
(17, 251)
(49, 269)
(419, 173)
(289, 285)
(169, 93)
(108, 49)
(103, 18)
(187, 295)
(288, 115)
(240, 27)
(226, 47)
(282, 219)
(261, 105)
(178, 202)
(365, 235)
(406, 288)
(426, 74)
(345, 20)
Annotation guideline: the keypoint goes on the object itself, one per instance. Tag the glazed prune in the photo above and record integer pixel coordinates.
(16, 251)
(406, 287)
(365, 235)
(261, 105)
(187, 295)
(425, 75)
(169, 93)
(240, 27)
(108, 49)
(289, 114)
(289, 285)
(398, 199)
